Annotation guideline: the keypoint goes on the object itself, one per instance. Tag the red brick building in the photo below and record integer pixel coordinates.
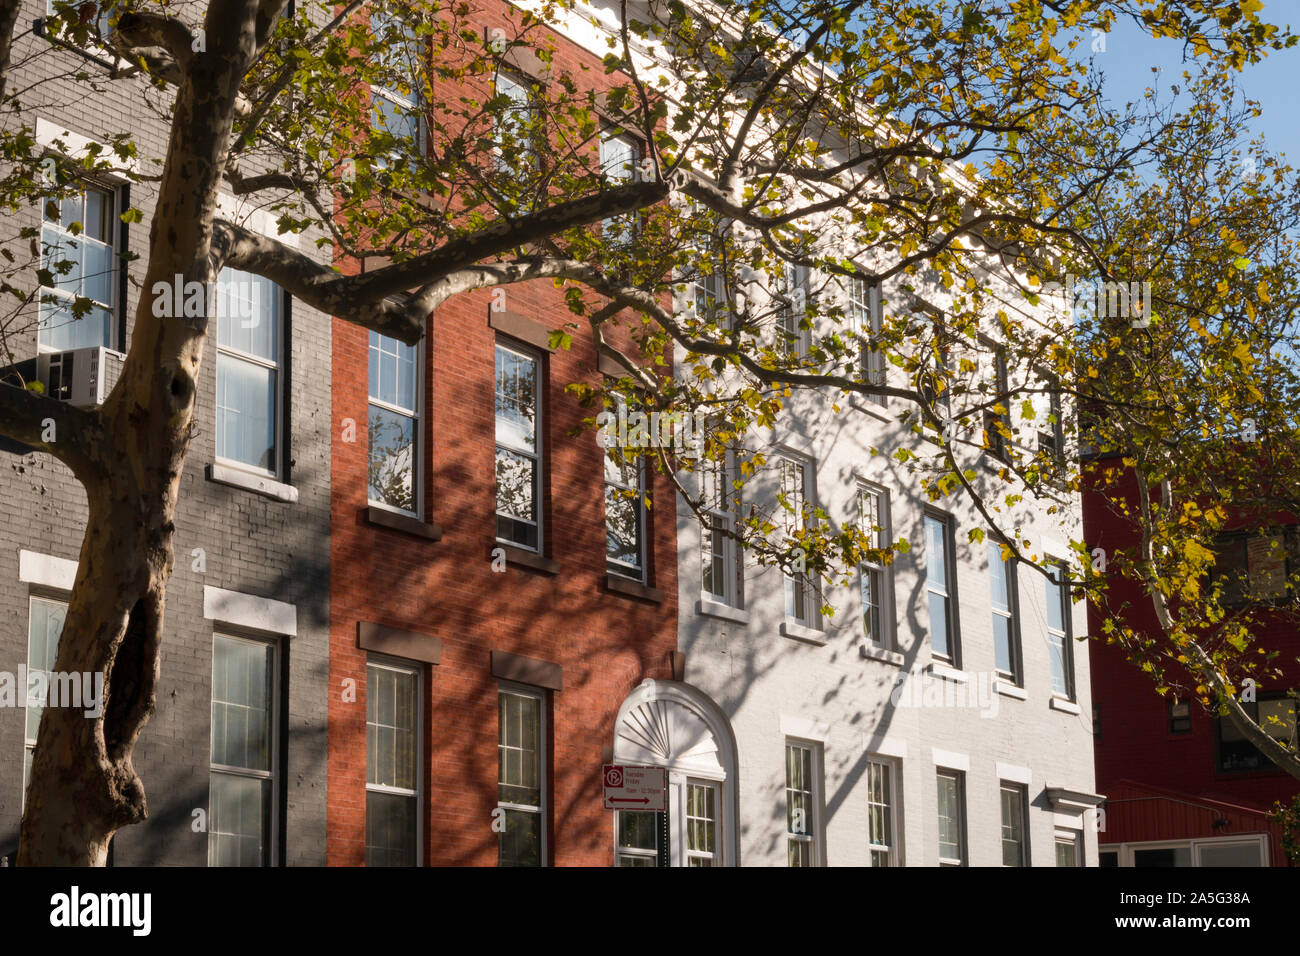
(483, 638)
(1182, 787)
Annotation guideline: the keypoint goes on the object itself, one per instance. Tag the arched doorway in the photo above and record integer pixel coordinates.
(670, 724)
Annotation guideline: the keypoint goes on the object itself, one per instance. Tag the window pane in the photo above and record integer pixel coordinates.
(1230, 854)
(1013, 818)
(1055, 601)
(1067, 851)
(1057, 649)
(246, 400)
(392, 372)
(1002, 643)
(239, 816)
(248, 314)
(390, 829)
(241, 703)
(391, 697)
(939, 624)
(516, 479)
(521, 842)
(43, 629)
(516, 400)
(936, 542)
(950, 822)
(391, 475)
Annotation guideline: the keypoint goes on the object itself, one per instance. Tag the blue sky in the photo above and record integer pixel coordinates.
(1274, 82)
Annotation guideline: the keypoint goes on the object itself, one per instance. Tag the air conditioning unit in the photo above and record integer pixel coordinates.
(82, 377)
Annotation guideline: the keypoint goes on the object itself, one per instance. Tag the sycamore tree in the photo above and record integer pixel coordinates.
(944, 143)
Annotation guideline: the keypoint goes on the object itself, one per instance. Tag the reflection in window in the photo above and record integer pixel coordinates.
(393, 472)
(518, 458)
(77, 251)
(248, 369)
(520, 778)
(625, 514)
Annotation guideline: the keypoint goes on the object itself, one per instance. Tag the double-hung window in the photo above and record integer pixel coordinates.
(940, 580)
(875, 582)
(1069, 848)
(935, 380)
(392, 764)
(1051, 433)
(1058, 630)
(802, 802)
(881, 826)
(516, 151)
(709, 283)
(243, 779)
(866, 319)
(800, 596)
(249, 377)
(997, 418)
(720, 579)
(702, 823)
(518, 446)
(793, 340)
(521, 776)
(952, 817)
(1015, 846)
(44, 626)
(618, 165)
(396, 115)
(79, 270)
(1006, 612)
(625, 512)
(395, 466)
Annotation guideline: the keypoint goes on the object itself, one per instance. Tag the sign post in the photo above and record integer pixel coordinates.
(635, 788)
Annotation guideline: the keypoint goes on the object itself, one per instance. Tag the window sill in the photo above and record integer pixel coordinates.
(1007, 689)
(258, 484)
(725, 612)
(404, 523)
(802, 632)
(948, 672)
(873, 652)
(1065, 706)
(632, 588)
(523, 558)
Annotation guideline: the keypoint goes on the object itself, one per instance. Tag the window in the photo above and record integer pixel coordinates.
(392, 762)
(625, 514)
(1220, 851)
(395, 97)
(709, 284)
(101, 28)
(1252, 567)
(395, 398)
(934, 380)
(1058, 630)
(866, 319)
(1180, 716)
(802, 803)
(642, 838)
(242, 780)
(518, 451)
(793, 340)
(939, 579)
(44, 625)
(701, 823)
(516, 150)
(800, 595)
(618, 164)
(880, 813)
(1069, 848)
(1051, 436)
(79, 237)
(952, 818)
(249, 386)
(721, 575)
(521, 776)
(1014, 825)
(1006, 613)
(1233, 752)
(875, 579)
(997, 419)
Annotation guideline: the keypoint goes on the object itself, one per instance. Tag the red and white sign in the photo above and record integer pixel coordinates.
(635, 788)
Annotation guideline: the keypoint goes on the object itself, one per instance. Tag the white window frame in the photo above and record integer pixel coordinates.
(528, 150)
(639, 572)
(277, 367)
(789, 322)
(1011, 570)
(1063, 638)
(1124, 851)
(543, 739)
(866, 318)
(960, 777)
(949, 593)
(411, 104)
(1074, 838)
(800, 584)
(29, 743)
(892, 808)
(417, 429)
(539, 431)
(884, 638)
(619, 229)
(813, 833)
(715, 858)
(719, 501)
(271, 853)
(115, 193)
(382, 662)
(1021, 791)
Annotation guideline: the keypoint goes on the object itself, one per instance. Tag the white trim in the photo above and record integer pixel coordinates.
(1013, 773)
(885, 746)
(801, 632)
(726, 612)
(948, 672)
(949, 760)
(1007, 689)
(251, 481)
(249, 610)
(1065, 706)
(807, 728)
(46, 570)
(1067, 821)
(48, 132)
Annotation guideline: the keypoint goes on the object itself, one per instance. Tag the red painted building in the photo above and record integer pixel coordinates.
(1182, 787)
(485, 628)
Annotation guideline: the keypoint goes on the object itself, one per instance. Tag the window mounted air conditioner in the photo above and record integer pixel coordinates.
(83, 377)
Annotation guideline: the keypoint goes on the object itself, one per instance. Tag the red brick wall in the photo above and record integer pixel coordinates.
(605, 642)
